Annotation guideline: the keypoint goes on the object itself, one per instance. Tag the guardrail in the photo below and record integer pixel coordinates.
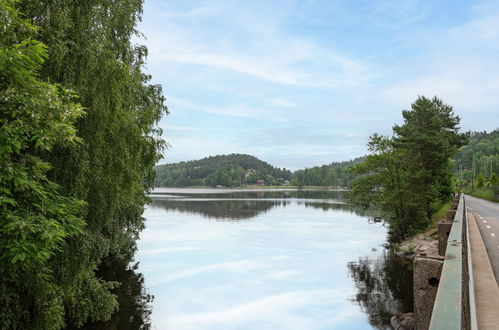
(454, 307)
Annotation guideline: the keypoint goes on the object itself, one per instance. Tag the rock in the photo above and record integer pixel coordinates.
(403, 321)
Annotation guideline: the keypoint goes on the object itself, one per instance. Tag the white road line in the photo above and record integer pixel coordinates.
(484, 221)
(492, 234)
(488, 227)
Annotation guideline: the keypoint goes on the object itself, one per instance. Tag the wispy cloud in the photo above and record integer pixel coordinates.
(316, 69)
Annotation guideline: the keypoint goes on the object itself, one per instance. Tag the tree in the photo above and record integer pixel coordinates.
(429, 138)
(383, 184)
(110, 170)
(480, 180)
(36, 219)
(408, 176)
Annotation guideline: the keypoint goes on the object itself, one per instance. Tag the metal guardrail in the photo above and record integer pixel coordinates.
(454, 307)
(471, 282)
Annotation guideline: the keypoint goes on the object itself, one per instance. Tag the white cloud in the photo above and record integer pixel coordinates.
(229, 67)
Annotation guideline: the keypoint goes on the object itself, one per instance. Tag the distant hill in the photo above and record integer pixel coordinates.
(479, 158)
(226, 170)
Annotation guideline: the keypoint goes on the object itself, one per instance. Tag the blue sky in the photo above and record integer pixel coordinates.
(305, 83)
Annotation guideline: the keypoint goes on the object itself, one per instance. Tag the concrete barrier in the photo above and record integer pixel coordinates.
(443, 231)
(426, 277)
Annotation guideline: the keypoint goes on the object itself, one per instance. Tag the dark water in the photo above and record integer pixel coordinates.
(273, 259)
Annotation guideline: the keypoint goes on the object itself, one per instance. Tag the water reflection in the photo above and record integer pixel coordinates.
(384, 285)
(226, 205)
(134, 302)
(227, 210)
(285, 269)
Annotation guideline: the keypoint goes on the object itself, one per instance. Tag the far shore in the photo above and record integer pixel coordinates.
(159, 190)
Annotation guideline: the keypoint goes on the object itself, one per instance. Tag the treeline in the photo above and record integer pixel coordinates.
(476, 165)
(226, 170)
(239, 170)
(77, 148)
(336, 174)
(408, 176)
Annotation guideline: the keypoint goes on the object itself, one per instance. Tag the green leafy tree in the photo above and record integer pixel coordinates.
(494, 180)
(35, 218)
(480, 155)
(107, 163)
(429, 138)
(480, 180)
(408, 176)
(91, 50)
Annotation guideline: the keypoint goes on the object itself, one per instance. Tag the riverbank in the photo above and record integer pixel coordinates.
(425, 241)
(429, 247)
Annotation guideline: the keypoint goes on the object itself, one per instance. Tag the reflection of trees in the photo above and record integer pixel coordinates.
(219, 209)
(340, 207)
(384, 286)
(249, 193)
(134, 303)
(248, 204)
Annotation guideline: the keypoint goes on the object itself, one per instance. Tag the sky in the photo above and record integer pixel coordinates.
(304, 83)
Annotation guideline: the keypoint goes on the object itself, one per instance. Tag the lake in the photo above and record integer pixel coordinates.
(267, 259)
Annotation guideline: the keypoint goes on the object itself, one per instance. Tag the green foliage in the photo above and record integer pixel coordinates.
(480, 180)
(35, 117)
(408, 176)
(332, 175)
(36, 220)
(227, 170)
(54, 160)
(477, 165)
(494, 180)
(489, 193)
(237, 170)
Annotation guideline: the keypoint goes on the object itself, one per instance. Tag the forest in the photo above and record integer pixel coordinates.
(476, 165)
(238, 170)
(232, 170)
(336, 174)
(78, 142)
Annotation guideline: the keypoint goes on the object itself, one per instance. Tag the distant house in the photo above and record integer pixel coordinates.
(260, 182)
(286, 183)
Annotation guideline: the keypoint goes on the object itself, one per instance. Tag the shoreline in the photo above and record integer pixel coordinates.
(254, 187)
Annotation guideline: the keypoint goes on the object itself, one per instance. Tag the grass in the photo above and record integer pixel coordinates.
(440, 214)
(436, 217)
(485, 193)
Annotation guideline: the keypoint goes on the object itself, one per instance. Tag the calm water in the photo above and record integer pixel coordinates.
(226, 259)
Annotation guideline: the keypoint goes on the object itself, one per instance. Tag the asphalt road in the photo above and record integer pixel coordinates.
(487, 216)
